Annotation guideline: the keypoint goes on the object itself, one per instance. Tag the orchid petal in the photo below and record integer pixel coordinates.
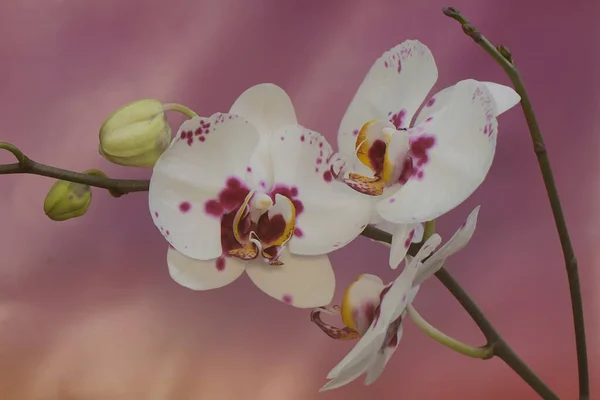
(402, 237)
(302, 281)
(360, 354)
(203, 275)
(392, 90)
(207, 157)
(505, 98)
(456, 243)
(360, 301)
(328, 213)
(450, 159)
(395, 300)
(379, 363)
(349, 374)
(268, 108)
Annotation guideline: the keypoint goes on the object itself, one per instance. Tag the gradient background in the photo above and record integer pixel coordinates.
(87, 309)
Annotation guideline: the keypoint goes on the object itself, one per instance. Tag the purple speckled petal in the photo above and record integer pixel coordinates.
(402, 237)
(451, 157)
(328, 213)
(380, 361)
(504, 96)
(198, 179)
(393, 90)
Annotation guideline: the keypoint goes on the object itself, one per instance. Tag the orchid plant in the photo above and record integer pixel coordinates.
(251, 190)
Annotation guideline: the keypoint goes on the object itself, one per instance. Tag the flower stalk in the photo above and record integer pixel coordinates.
(482, 353)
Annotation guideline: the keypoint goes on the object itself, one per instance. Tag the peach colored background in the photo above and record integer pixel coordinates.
(87, 309)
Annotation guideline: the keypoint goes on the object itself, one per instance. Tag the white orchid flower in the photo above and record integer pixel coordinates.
(253, 191)
(375, 312)
(418, 166)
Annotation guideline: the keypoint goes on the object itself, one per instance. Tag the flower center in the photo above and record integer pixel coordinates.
(259, 227)
(385, 151)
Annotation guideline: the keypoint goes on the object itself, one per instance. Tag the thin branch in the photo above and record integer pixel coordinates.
(504, 58)
(117, 187)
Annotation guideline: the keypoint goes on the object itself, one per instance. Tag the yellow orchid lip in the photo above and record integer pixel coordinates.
(379, 149)
(360, 302)
(263, 227)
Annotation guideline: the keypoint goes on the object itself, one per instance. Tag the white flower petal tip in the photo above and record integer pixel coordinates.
(504, 96)
(393, 90)
(451, 157)
(301, 281)
(403, 237)
(207, 159)
(267, 106)
(457, 242)
(203, 274)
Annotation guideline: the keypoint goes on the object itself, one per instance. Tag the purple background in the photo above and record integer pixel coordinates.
(87, 309)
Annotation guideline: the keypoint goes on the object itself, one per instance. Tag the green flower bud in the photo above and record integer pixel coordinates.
(67, 200)
(136, 135)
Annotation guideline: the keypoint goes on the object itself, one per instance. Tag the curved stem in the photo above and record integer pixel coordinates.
(483, 353)
(96, 178)
(504, 58)
(15, 151)
(188, 112)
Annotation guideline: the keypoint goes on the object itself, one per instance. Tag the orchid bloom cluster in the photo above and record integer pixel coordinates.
(253, 190)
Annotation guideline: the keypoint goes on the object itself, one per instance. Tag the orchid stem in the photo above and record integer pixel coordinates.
(504, 58)
(96, 178)
(188, 112)
(482, 353)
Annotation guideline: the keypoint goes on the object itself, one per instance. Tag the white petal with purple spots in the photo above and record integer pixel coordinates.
(328, 213)
(450, 158)
(207, 156)
(393, 90)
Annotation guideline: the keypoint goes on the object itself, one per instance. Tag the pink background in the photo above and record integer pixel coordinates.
(87, 309)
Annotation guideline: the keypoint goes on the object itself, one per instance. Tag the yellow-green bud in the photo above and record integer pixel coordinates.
(136, 135)
(67, 200)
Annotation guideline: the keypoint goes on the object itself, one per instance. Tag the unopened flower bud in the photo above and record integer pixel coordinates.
(136, 135)
(67, 200)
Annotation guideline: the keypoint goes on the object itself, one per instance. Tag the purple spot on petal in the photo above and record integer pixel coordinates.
(184, 206)
(398, 119)
(248, 169)
(355, 132)
(298, 232)
(289, 192)
(327, 176)
(419, 149)
(287, 299)
(220, 264)
(431, 102)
